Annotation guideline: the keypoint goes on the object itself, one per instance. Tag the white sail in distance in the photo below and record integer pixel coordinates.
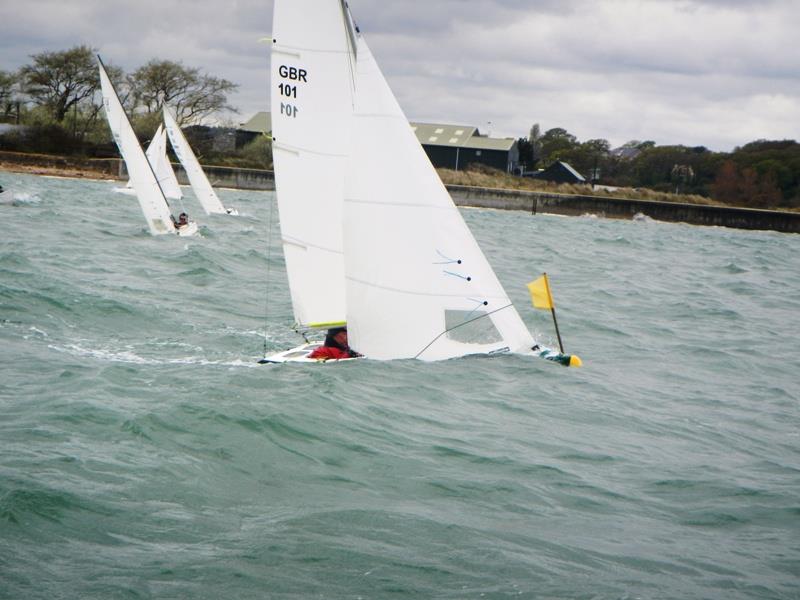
(418, 285)
(157, 155)
(197, 178)
(143, 179)
(312, 84)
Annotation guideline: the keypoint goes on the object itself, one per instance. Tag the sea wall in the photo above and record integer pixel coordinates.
(229, 177)
(622, 208)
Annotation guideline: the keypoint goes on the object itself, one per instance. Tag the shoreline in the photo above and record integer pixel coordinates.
(532, 202)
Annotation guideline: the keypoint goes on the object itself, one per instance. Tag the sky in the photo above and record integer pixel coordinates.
(714, 73)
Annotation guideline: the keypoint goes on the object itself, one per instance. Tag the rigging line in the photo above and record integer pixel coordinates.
(269, 262)
(433, 341)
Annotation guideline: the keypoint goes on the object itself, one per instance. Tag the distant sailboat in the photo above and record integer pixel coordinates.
(371, 237)
(143, 178)
(197, 178)
(157, 155)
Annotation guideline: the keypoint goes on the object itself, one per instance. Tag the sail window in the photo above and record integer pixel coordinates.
(471, 327)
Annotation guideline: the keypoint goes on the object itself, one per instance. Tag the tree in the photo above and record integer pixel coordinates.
(556, 143)
(60, 80)
(8, 82)
(191, 94)
(535, 139)
(744, 187)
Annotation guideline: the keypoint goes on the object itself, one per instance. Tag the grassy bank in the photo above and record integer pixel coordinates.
(496, 179)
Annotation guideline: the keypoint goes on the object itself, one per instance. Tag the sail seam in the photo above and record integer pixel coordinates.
(401, 204)
(305, 245)
(291, 52)
(413, 293)
(298, 149)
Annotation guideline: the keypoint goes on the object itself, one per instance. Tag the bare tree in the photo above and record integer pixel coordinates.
(191, 94)
(61, 80)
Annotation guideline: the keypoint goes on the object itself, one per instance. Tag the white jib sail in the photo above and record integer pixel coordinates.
(418, 285)
(157, 155)
(197, 178)
(143, 180)
(312, 83)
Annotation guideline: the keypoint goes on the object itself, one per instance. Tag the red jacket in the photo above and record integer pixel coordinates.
(329, 353)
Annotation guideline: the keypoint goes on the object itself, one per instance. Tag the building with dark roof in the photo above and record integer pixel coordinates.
(259, 124)
(558, 172)
(458, 146)
(447, 146)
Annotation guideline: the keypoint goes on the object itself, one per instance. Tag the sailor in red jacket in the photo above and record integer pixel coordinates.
(335, 346)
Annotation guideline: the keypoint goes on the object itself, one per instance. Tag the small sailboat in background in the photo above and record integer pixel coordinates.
(157, 155)
(372, 240)
(143, 179)
(197, 178)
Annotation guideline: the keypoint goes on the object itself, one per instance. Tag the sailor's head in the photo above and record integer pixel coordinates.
(338, 335)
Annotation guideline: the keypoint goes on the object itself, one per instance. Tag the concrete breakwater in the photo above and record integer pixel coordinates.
(623, 208)
(503, 199)
(560, 204)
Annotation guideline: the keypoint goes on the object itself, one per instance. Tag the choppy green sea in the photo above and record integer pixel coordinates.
(145, 454)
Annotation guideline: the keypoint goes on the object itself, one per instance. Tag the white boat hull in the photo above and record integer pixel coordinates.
(300, 355)
(186, 230)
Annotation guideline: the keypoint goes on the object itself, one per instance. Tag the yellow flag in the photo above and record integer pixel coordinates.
(540, 293)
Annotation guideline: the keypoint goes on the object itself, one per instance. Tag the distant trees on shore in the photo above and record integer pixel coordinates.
(57, 98)
(761, 174)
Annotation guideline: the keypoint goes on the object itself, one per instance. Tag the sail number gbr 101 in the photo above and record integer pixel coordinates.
(288, 89)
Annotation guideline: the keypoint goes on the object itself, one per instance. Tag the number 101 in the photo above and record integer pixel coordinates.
(290, 91)
(289, 110)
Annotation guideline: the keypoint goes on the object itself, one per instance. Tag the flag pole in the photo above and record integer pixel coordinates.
(553, 312)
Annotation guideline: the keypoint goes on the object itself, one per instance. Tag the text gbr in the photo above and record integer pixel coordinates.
(289, 90)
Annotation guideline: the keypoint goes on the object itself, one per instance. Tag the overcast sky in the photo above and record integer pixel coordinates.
(718, 73)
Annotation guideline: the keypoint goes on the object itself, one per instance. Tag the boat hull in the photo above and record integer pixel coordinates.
(300, 355)
(187, 230)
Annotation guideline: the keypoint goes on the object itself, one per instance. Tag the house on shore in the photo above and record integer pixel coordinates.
(258, 125)
(558, 172)
(458, 146)
(447, 146)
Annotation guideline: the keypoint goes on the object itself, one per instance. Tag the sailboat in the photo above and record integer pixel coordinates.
(143, 178)
(372, 239)
(157, 156)
(197, 178)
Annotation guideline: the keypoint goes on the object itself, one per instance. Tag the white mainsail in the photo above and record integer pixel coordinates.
(312, 76)
(143, 180)
(157, 155)
(197, 178)
(418, 285)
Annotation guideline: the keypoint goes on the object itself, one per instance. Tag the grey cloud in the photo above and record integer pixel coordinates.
(602, 68)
